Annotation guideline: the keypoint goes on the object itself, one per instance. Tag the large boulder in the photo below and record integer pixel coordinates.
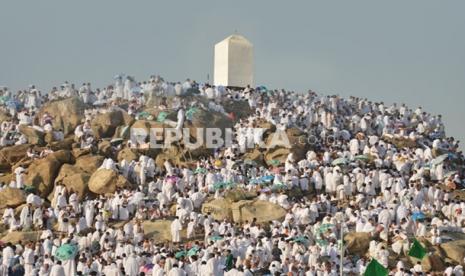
(159, 230)
(105, 181)
(67, 114)
(219, 209)
(203, 119)
(128, 154)
(33, 135)
(42, 172)
(21, 236)
(11, 155)
(11, 197)
(243, 210)
(73, 178)
(454, 250)
(104, 125)
(262, 211)
(89, 163)
(357, 243)
(276, 150)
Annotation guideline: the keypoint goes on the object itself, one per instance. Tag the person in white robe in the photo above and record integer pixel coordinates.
(176, 228)
(57, 270)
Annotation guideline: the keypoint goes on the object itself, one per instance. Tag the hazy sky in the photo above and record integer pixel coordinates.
(398, 51)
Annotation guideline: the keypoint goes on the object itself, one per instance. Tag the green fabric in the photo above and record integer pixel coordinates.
(275, 162)
(229, 262)
(375, 269)
(66, 252)
(180, 254)
(190, 113)
(162, 117)
(417, 250)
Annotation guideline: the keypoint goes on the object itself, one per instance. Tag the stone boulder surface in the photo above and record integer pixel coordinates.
(11, 197)
(243, 210)
(263, 211)
(34, 136)
(104, 125)
(105, 181)
(73, 178)
(41, 173)
(67, 114)
(11, 155)
(357, 243)
(454, 250)
(159, 230)
(89, 163)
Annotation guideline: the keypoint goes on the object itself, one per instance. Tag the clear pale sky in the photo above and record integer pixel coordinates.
(409, 52)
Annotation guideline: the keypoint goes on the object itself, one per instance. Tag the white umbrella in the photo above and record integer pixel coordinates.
(439, 159)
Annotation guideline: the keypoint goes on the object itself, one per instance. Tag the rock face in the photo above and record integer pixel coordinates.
(243, 210)
(263, 211)
(89, 163)
(11, 197)
(159, 230)
(357, 243)
(297, 145)
(454, 250)
(202, 119)
(67, 114)
(20, 236)
(104, 125)
(219, 208)
(128, 154)
(105, 181)
(33, 135)
(73, 178)
(11, 155)
(42, 172)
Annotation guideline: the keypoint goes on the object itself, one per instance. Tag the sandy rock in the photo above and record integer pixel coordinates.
(12, 155)
(254, 155)
(73, 178)
(128, 154)
(34, 136)
(89, 163)
(357, 243)
(42, 172)
(105, 181)
(263, 211)
(159, 230)
(67, 114)
(11, 197)
(17, 236)
(104, 149)
(454, 250)
(104, 125)
(297, 145)
(219, 208)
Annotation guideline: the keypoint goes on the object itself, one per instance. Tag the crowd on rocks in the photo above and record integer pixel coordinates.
(385, 172)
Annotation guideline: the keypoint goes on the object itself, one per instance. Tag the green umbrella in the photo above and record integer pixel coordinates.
(339, 161)
(193, 251)
(66, 252)
(216, 238)
(180, 254)
(162, 117)
(362, 157)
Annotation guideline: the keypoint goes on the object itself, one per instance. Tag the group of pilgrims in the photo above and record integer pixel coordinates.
(360, 175)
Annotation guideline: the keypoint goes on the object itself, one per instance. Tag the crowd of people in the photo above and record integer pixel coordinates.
(388, 171)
